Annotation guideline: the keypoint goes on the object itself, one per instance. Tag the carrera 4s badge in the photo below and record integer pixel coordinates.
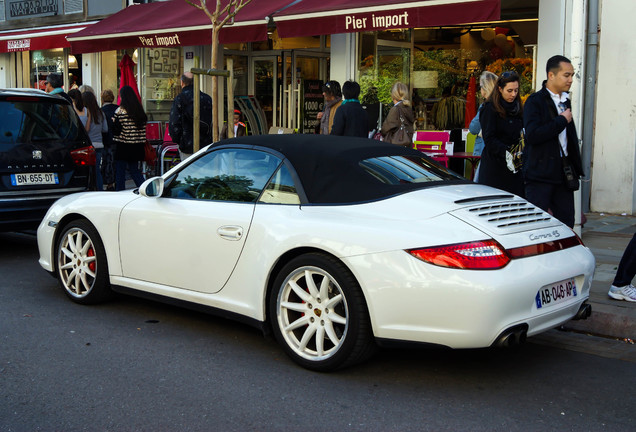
(545, 236)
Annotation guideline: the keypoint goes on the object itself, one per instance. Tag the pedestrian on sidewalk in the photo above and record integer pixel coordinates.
(351, 119)
(622, 288)
(333, 99)
(551, 158)
(182, 114)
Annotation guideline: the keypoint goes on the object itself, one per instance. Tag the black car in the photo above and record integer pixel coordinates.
(45, 153)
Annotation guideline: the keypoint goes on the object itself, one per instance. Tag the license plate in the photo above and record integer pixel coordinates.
(34, 179)
(557, 293)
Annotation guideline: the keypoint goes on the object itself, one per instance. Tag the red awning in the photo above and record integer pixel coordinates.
(172, 23)
(318, 17)
(39, 38)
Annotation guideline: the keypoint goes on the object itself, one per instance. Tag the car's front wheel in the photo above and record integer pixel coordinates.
(319, 314)
(81, 263)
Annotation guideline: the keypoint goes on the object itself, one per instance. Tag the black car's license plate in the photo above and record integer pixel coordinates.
(34, 179)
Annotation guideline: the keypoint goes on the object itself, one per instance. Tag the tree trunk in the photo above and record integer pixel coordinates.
(215, 84)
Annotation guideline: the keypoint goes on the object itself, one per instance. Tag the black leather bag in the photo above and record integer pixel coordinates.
(571, 179)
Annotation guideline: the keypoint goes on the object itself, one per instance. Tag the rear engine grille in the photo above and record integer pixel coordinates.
(505, 215)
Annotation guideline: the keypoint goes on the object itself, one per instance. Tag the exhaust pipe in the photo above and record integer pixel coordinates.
(514, 336)
(584, 312)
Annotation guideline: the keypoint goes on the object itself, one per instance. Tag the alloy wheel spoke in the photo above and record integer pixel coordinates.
(324, 288)
(296, 307)
(304, 295)
(309, 333)
(311, 286)
(331, 333)
(300, 322)
(338, 319)
(320, 341)
(334, 301)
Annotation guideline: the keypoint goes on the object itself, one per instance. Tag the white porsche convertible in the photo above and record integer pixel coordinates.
(336, 245)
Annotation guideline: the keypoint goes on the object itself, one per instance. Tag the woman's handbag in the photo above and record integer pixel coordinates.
(517, 152)
(401, 136)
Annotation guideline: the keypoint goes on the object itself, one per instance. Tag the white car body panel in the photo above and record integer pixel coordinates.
(407, 299)
(188, 244)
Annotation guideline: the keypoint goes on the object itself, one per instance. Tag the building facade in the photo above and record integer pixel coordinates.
(280, 61)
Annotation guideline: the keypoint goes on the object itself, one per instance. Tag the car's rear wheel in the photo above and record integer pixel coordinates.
(81, 263)
(319, 314)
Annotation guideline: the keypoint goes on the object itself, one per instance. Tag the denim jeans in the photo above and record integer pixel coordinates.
(99, 181)
(120, 174)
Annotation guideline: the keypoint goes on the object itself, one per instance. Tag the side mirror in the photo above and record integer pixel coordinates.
(153, 187)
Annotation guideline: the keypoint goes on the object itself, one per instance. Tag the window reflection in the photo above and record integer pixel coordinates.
(237, 175)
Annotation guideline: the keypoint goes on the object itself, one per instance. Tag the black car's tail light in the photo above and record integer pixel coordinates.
(84, 156)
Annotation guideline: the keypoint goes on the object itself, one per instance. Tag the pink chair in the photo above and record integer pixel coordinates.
(433, 144)
(153, 132)
(169, 153)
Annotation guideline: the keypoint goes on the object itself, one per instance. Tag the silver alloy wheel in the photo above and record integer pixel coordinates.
(312, 313)
(77, 262)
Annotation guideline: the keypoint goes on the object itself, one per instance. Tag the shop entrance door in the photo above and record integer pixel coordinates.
(266, 87)
(278, 80)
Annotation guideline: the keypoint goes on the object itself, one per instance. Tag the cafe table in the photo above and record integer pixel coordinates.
(474, 160)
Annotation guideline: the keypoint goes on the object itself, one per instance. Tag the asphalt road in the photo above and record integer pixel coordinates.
(135, 365)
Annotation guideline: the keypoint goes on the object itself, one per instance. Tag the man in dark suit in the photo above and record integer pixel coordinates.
(551, 141)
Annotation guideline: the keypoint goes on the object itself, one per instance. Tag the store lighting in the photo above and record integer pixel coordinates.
(72, 62)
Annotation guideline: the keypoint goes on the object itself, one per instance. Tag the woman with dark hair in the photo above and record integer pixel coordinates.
(333, 99)
(501, 121)
(96, 127)
(80, 109)
(108, 158)
(129, 136)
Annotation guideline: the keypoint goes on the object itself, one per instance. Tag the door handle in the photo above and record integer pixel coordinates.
(230, 232)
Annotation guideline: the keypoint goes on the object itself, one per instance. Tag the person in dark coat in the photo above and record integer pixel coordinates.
(501, 121)
(182, 115)
(129, 135)
(108, 159)
(351, 119)
(551, 134)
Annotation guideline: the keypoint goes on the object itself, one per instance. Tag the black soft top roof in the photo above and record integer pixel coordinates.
(328, 166)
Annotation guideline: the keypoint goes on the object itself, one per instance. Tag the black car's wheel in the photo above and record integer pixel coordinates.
(319, 314)
(81, 263)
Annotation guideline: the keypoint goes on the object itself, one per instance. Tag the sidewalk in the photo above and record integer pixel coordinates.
(607, 236)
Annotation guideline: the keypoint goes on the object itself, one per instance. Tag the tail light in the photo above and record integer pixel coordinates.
(487, 254)
(479, 255)
(84, 156)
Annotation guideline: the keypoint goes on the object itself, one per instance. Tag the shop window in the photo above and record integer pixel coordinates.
(385, 57)
(162, 70)
(447, 63)
(43, 63)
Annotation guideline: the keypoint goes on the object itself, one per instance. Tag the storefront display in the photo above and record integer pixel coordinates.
(162, 70)
(44, 62)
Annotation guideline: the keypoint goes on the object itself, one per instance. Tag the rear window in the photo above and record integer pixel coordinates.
(32, 120)
(399, 170)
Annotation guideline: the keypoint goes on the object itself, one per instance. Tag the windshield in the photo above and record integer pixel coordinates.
(34, 120)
